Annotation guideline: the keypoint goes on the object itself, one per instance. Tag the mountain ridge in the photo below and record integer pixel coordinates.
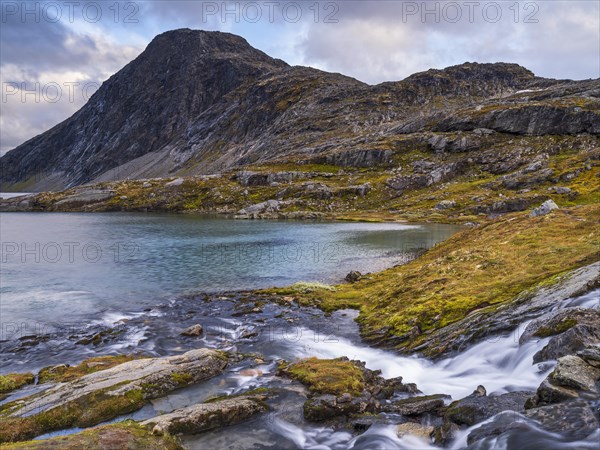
(197, 102)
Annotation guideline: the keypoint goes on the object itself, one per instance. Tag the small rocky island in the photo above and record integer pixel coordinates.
(512, 156)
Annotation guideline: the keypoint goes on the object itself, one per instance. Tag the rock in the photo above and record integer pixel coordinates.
(446, 204)
(481, 324)
(572, 371)
(86, 196)
(207, 416)
(544, 208)
(571, 379)
(575, 419)
(478, 407)
(193, 331)
(415, 429)
(572, 329)
(560, 189)
(325, 407)
(266, 209)
(360, 190)
(437, 174)
(591, 355)
(175, 182)
(353, 276)
(147, 185)
(154, 377)
(445, 433)
(417, 405)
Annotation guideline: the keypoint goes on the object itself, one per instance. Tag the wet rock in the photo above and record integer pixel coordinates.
(478, 407)
(193, 331)
(572, 329)
(445, 433)
(591, 355)
(353, 276)
(207, 416)
(414, 429)
(417, 405)
(572, 378)
(575, 419)
(572, 371)
(544, 208)
(327, 406)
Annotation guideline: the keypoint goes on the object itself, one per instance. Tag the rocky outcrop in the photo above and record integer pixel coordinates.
(207, 416)
(264, 210)
(570, 330)
(103, 395)
(530, 304)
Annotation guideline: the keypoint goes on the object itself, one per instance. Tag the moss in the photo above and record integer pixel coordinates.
(127, 434)
(327, 376)
(182, 379)
(67, 373)
(561, 327)
(12, 381)
(86, 411)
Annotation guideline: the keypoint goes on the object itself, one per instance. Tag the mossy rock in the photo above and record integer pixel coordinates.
(327, 376)
(127, 435)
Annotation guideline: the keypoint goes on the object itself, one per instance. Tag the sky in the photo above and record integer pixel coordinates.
(54, 54)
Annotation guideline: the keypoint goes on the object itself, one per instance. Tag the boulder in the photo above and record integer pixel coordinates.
(175, 182)
(415, 429)
(353, 276)
(415, 406)
(445, 204)
(267, 209)
(575, 419)
(544, 208)
(572, 378)
(478, 406)
(193, 331)
(207, 416)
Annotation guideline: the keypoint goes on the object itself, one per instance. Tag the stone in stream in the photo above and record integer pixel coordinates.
(193, 331)
(415, 429)
(478, 406)
(415, 406)
(103, 395)
(572, 378)
(207, 416)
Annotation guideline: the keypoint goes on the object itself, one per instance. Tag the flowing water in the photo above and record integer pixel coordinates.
(144, 288)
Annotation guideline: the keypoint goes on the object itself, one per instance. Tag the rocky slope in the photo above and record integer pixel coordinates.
(199, 102)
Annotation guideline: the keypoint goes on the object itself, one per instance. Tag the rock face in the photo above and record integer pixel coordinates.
(207, 416)
(197, 102)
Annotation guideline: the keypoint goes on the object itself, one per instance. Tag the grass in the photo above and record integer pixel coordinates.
(12, 381)
(482, 267)
(123, 435)
(327, 376)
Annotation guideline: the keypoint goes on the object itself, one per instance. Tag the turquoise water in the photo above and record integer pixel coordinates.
(59, 269)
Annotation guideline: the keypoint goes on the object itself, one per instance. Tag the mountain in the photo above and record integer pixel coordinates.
(197, 102)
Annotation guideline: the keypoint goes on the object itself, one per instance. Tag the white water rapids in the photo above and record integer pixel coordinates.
(500, 364)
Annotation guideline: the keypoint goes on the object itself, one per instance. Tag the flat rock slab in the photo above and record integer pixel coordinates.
(153, 376)
(207, 416)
